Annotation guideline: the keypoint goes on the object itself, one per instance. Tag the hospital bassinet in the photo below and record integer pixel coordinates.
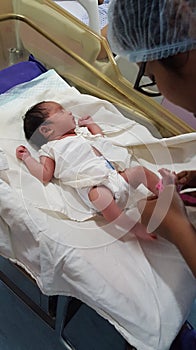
(60, 41)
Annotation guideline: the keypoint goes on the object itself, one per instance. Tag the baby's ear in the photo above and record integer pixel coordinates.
(45, 131)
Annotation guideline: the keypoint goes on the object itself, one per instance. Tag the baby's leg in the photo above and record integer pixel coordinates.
(103, 200)
(139, 174)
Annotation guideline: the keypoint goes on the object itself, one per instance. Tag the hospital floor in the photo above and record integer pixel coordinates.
(22, 329)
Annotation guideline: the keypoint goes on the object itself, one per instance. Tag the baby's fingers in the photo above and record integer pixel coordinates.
(21, 152)
(85, 120)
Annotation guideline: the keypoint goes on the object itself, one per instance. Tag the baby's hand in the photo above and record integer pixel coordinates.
(22, 152)
(85, 121)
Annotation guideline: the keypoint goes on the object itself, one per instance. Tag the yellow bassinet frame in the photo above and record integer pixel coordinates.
(61, 41)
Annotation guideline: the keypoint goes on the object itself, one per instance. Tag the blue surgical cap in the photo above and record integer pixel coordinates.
(146, 30)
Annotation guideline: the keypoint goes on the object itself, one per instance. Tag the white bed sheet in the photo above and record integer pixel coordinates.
(134, 284)
(74, 7)
(89, 12)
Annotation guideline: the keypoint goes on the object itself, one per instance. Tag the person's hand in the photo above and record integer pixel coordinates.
(165, 214)
(85, 121)
(22, 153)
(186, 179)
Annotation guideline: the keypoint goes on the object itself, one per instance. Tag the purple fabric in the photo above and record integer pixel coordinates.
(20, 73)
(186, 339)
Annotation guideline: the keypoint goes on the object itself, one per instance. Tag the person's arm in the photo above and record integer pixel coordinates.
(43, 170)
(90, 124)
(174, 225)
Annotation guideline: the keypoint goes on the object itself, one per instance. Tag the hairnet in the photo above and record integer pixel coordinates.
(145, 30)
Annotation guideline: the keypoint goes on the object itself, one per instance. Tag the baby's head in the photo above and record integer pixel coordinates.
(47, 121)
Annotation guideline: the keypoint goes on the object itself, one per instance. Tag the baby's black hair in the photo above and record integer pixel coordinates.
(33, 118)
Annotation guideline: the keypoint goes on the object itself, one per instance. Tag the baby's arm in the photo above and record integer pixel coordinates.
(90, 124)
(43, 170)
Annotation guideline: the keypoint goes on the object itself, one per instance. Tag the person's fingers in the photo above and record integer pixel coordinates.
(182, 174)
(186, 178)
(182, 177)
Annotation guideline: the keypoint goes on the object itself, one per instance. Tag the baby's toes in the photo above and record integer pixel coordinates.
(168, 177)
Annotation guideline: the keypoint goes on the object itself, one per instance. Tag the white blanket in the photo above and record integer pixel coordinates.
(134, 284)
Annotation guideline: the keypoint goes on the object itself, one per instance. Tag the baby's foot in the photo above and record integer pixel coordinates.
(140, 231)
(168, 178)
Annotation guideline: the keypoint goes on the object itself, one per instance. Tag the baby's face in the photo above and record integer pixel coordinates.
(60, 120)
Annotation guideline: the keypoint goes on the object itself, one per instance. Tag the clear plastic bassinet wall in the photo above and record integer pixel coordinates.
(62, 42)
